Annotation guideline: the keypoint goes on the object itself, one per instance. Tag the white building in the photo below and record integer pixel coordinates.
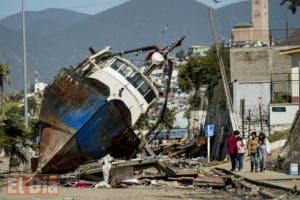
(39, 87)
(197, 50)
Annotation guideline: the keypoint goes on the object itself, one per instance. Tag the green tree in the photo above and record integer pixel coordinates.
(32, 105)
(12, 138)
(13, 135)
(142, 123)
(4, 78)
(170, 116)
(292, 4)
(202, 71)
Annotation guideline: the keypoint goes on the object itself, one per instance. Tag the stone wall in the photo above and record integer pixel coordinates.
(256, 64)
(254, 94)
(252, 70)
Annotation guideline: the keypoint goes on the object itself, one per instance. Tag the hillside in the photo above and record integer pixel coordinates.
(45, 22)
(130, 25)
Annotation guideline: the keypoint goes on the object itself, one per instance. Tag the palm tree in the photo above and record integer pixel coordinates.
(12, 140)
(4, 78)
(293, 4)
(13, 135)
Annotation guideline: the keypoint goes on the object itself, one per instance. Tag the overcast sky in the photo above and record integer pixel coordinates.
(8, 7)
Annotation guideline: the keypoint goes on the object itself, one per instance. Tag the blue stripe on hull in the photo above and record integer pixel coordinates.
(71, 101)
(77, 118)
(105, 132)
(96, 135)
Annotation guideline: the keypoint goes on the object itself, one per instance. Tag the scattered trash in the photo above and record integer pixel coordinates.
(133, 181)
(102, 184)
(106, 168)
(80, 185)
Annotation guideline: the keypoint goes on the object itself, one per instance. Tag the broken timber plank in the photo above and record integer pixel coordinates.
(164, 168)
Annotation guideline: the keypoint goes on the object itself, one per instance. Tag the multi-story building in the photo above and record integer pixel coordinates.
(264, 79)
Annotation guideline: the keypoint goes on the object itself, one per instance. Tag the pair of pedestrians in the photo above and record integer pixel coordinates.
(236, 149)
(259, 149)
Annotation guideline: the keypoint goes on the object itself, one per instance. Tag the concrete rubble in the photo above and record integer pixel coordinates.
(174, 168)
(145, 172)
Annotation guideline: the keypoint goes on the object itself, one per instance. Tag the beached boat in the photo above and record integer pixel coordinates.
(89, 111)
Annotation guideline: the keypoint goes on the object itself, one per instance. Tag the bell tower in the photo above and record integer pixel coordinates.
(260, 20)
(258, 29)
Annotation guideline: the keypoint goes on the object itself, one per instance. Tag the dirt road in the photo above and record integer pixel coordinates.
(138, 194)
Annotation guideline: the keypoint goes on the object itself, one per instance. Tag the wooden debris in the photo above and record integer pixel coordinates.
(174, 148)
(212, 181)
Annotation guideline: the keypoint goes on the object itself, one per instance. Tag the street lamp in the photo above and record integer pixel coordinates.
(25, 68)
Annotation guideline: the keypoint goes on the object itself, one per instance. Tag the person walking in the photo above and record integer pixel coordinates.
(263, 150)
(241, 150)
(253, 151)
(232, 149)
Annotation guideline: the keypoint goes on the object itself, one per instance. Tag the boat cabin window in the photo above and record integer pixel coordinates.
(144, 88)
(122, 68)
(147, 92)
(125, 70)
(135, 78)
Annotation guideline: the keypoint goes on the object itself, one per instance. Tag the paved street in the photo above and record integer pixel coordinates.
(270, 177)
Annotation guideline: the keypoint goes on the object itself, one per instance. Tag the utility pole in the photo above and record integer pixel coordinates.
(25, 68)
(243, 116)
(222, 69)
(249, 121)
(260, 115)
(208, 149)
(299, 85)
(260, 119)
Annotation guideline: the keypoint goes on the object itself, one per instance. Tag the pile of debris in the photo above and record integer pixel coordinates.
(187, 147)
(145, 172)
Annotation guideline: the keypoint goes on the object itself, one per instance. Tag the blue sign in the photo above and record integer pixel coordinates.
(209, 130)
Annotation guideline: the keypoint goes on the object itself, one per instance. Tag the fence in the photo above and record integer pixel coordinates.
(284, 88)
